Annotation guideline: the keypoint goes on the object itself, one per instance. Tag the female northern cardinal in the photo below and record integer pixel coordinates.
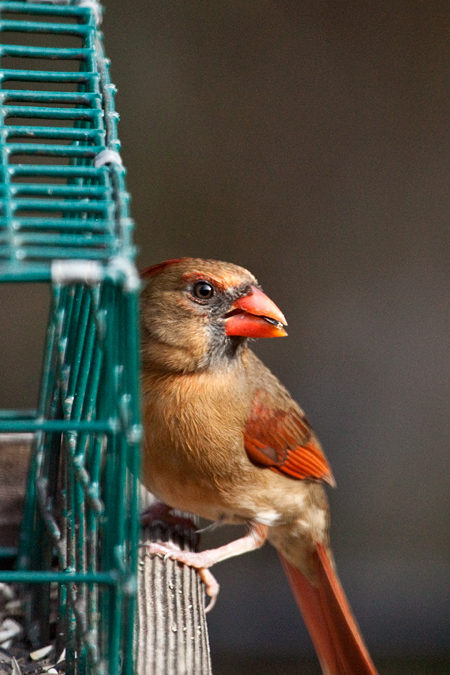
(225, 441)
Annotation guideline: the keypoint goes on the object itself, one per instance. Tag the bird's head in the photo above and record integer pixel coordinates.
(196, 312)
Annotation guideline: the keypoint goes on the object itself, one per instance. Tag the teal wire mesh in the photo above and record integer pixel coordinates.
(64, 219)
(57, 200)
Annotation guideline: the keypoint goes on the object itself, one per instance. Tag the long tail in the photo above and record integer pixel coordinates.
(328, 617)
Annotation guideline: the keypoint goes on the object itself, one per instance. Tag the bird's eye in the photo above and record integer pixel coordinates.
(203, 290)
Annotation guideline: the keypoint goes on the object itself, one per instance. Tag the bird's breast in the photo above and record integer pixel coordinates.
(194, 441)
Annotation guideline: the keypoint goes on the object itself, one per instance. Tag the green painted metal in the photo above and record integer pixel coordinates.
(56, 200)
(64, 219)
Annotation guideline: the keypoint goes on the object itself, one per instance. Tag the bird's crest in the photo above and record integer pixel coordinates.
(154, 270)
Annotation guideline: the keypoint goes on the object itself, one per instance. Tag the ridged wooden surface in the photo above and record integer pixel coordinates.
(172, 637)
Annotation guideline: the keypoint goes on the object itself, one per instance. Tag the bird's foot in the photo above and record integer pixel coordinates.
(170, 550)
(198, 561)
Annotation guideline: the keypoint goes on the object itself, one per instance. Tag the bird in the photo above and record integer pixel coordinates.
(224, 440)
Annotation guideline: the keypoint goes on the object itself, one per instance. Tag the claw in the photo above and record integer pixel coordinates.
(210, 604)
(212, 587)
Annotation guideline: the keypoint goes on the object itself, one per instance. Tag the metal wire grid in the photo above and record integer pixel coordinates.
(80, 516)
(66, 207)
(66, 220)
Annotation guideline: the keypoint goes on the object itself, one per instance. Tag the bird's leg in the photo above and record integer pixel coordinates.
(254, 539)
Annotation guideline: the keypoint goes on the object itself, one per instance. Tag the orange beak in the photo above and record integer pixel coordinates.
(255, 315)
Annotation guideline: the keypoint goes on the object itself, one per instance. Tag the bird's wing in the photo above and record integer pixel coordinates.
(278, 436)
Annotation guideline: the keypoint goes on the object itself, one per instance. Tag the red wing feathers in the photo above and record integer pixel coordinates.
(284, 441)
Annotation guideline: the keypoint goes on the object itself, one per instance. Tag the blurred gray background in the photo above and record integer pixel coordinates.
(310, 142)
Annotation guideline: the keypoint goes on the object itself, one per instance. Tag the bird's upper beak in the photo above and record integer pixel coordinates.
(255, 315)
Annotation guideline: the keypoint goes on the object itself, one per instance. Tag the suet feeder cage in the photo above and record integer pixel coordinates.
(64, 221)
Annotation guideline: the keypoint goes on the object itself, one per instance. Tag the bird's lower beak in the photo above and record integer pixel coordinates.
(255, 315)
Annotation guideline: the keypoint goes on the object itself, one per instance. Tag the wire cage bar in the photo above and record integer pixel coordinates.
(64, 219)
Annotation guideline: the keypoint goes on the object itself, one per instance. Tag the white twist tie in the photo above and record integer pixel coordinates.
(77, 271)
(107, 157)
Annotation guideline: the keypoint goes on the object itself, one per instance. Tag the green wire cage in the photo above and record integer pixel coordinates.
(65, 221)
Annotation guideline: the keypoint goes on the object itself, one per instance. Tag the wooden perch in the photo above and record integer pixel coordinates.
(171, 635)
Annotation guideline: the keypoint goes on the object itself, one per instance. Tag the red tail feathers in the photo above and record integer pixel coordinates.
(329, 620)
